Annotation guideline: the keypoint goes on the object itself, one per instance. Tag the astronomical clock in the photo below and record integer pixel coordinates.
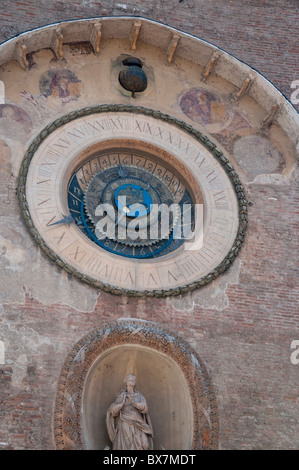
(132, 200)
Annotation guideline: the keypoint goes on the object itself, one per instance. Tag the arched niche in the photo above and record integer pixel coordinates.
(170, 375)
(159, 379)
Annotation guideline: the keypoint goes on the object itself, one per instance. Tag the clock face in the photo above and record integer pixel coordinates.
(131, 185)
(132, 201)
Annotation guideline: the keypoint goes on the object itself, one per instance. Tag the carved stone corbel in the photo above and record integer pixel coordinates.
(134, 35)
(20, 54)
(271, 116)
(210, 65)
(57, 42)
(172, 47)
(95, 37)
(245, 87)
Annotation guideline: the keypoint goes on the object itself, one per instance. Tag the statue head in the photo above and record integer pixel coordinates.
(130, 379)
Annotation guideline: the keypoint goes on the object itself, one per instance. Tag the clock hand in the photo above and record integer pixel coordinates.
(78, 221)
(67, 219)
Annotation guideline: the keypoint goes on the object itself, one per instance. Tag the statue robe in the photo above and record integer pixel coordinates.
(130, 428)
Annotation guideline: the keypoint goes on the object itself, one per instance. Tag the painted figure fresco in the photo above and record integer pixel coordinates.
(213, 113)
(203, 106)
(60, 84)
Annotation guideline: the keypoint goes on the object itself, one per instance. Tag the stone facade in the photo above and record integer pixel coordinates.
(241, 325)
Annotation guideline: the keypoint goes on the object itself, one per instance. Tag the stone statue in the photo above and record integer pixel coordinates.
(128, 423)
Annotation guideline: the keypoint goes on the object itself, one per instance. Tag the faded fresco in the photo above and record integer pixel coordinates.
(257, 155)
(204, 107)
(213, 113)
(15, 123)
(60, 86)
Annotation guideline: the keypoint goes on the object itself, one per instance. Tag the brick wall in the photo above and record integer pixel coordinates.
(262, 33)
(246, 346)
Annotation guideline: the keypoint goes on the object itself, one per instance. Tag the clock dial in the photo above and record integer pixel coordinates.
(133, 191)
(93, 187)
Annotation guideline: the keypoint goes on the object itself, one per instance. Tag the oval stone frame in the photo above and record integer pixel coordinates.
(82, 388)
(174, 282)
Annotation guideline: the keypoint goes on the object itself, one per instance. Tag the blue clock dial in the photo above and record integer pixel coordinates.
(117, 205)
